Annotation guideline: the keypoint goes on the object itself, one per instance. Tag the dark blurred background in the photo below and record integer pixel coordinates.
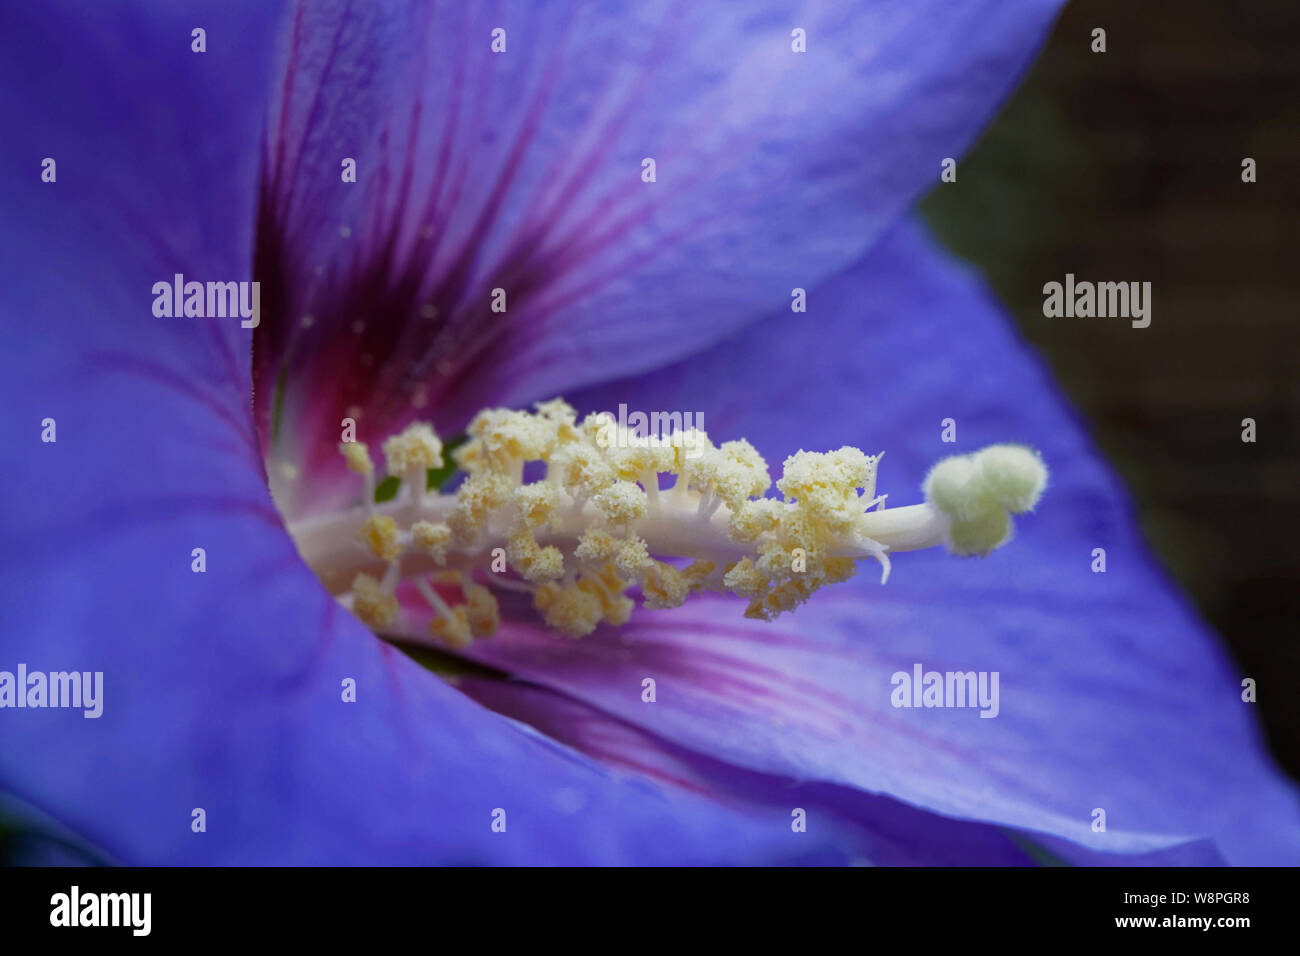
(1127, 166)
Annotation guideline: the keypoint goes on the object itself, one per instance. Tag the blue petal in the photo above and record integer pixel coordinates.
(871, 829)
(222, 690)
(1113, 694)
(522, 171)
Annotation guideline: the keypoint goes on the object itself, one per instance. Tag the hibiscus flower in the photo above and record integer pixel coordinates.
(451, 210)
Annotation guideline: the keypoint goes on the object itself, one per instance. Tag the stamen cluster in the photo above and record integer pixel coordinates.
(616, 516)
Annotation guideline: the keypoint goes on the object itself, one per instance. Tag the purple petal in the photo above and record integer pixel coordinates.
(522, 171)
(222, 690)
(871, 829)
(1113, 694)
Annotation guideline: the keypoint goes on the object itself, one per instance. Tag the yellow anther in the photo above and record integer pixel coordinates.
(790, 593)
(479, 497)
(621, 502)
(686, 447)
(380, 535)
(357, 456)
(633, 457)
(582, 469)
(785, 596)
(505, 437)
(607, 587)
(825, 482)
(375, 607)
(632, 556)
(744, 579)
(755, 518)
(621, 560)
(601, 429)
(744, 475)
(698, 573)
(417, 446)
(776, 558)
(569, 608)
(663, 586)
(641, 460)
(618, 610)
(534, 563)
(536, 503)
(469, 458)
(481, 610)
(835, 570)
(453, 629)
(557, 410)
(432, 537)
(733, 472)
(596, 545)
